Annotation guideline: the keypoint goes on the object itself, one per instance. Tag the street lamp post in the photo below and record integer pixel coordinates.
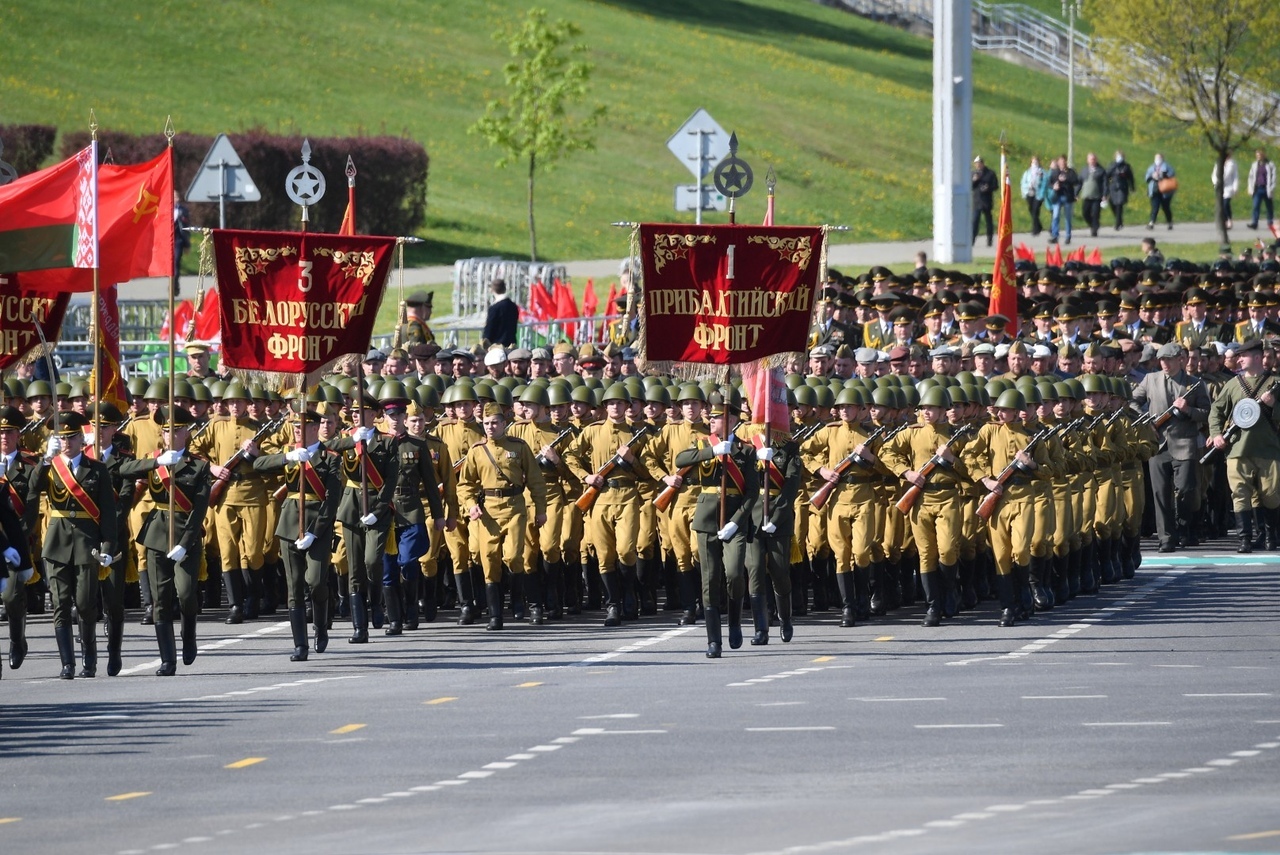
(1071, 9)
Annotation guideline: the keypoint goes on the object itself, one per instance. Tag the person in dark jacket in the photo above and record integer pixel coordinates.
(1063, 185)
(500, 322)
(1093, 186)
(1120, 186)
(985, 185)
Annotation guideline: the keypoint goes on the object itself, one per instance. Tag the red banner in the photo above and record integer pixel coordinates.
(292, 304)
(20, 310)
(727, 294)
(766, 390)
(109, 342)
(1004, 281)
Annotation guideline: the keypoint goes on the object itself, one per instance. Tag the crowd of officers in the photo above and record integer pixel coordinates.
(540, 483)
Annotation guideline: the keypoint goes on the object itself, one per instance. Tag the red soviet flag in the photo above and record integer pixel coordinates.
(1004, 282)
(566, 306)
(1053, 256)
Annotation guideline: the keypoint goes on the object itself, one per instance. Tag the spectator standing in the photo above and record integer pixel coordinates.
(1063, 186)
(1034, 184)
(985, 184)
(1162, 183)
(1262, 184)
(1120, 186)
(1230, 185)
(500, 321)
(1093, 186)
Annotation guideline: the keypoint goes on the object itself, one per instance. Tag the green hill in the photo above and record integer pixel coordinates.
(840, 107)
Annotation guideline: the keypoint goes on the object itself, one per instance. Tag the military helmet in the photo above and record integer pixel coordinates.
(158, 390)
(656, 393)
(935, 396)
(582, 395)
(182, 389)
(690, 392)
(501, 396)
(315, 395)
(38, 389)
(616, 392)
(137, 386)
(392, 391)
(959, 394)
(559, 394)
(910, 396)
(1094, 384)
(824, 396)
(793, 380)
(427, 396)
(804, 396)
(1032, 395)
(1011, 399)
(536, 395)
(884, 397)
(217, 388)
(332, 394)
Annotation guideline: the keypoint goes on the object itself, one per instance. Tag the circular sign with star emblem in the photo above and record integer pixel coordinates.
(732, 176)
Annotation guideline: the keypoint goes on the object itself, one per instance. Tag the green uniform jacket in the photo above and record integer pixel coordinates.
(320, 513)
(193, 479)
(382, 454)
(70, 540)
(738, 505)
(1261, 440)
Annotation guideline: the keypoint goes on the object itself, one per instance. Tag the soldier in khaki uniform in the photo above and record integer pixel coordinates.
(675, 438)
(614, 523)
(459, 432)
(146, 438)
(239, 516)
(416, 421)
(497, 471)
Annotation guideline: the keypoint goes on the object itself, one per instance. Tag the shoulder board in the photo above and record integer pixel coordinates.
(29, 458)
(480, 443)
(515, 439)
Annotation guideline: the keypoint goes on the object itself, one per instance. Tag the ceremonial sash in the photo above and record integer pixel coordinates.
(313, 480)
(180, 500)
(775, 476)
(73, 487)
(371, 471)
(19, 506)
(731, 466)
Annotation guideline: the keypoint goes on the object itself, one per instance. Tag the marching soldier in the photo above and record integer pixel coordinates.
(497, 471)
(726, 473)
(675, 438)
(79, 536)
(306, 533)
(115, 453)
(17, 569)
(174, 564)
(459, 432)
(781, 472)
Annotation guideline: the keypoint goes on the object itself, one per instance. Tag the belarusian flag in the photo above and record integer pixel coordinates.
(49, 219)
(135, 213)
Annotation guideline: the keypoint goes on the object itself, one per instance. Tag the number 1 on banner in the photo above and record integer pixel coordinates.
(304, 275)
(729, 273)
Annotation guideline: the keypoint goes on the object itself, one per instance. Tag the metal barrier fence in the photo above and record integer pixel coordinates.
(473, 276)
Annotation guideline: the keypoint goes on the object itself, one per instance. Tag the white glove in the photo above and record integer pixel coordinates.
(177, 553)
(723, 447)
(768, 528)
(24, 576)
(88, 438)
(729, 530)
(304, 543)
(105, 559)
(369, 519)
(11, 555)
(298, 455)
(53, 448)
(364, 434)
(169, 458)
(764, 455)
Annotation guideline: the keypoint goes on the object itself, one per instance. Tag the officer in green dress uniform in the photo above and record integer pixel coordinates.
(726, 473)
(306, 534)
(17, 569)
(79, 536)
(116, 451)
(769, 551)
(174, 563)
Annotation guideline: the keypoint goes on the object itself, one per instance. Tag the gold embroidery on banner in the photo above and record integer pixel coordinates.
(670, 247)
(252, 260)
(355, 264)
(797, 250)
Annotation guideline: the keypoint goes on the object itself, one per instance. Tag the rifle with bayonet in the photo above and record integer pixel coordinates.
(589, 496)
(823, 493)
(987, 507)
(913, 494)
(220, 483)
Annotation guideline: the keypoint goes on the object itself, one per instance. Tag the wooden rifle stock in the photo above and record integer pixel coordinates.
(663, 500)
(913, 493)
(589, 495)
(823, 493)
(220, 484)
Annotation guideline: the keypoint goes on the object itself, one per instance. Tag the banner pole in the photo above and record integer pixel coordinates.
(173, 347)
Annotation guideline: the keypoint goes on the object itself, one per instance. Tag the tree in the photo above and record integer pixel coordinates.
(1210, 68)
(532, 124)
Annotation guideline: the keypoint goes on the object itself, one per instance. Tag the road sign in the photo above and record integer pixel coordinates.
(687, 198)
(699, 144)
(222, 178)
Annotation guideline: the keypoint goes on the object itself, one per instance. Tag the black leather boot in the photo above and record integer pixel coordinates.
(630, 594)
(906, 570)
(932, 583)
(518, 595)
(234, 581)
(18, 633)
(430, 602)
(115, 641)
(1088, 581)
(760, 620)
(862, 592)
(1041, 583)
(1061, 580)
(950, 577)
(298, 624)
(89, 647)
(359, 619)
(148, 607)
(787, 629)
(1008, 600)
(735, 622)
(1124, 554)
(168, 649)
(647, 570)
(553, 576)
(395, 621)
(1024, 603)
(968, 590)
(688, 598)
(536, 593)
(1260, 528)
(573, 588)
(612, 584)
(845, 583)
(320, 613)
(1073, 573)
(493, 596)
(189, 647)
(819, 572)
(799, 593)
(714, 644)
(1244, 525)
(879, 603)
(466, 599)
(66, 651)
(593, 581)
(1272, 518)
(1135, 550)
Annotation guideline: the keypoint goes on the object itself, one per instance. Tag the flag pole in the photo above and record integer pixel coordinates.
(173, 343)
(95, 319)
(771, 184)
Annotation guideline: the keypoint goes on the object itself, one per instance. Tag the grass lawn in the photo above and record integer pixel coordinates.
(840, 107)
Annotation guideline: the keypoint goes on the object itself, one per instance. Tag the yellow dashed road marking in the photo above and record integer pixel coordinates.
(348, 728)
(248, 761)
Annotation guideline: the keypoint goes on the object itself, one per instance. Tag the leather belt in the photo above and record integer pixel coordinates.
(731, 491)
(503, 492)
(58, 513)
(620, 482)
(859, 479)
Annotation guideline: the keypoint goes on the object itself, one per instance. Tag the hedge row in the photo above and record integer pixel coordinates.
(391, 184)
(26, 147)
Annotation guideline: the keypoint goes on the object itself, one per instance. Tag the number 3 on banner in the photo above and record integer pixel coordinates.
(304, 276)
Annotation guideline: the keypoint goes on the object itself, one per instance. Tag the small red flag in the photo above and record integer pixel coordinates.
(1095, 257)
(1076, 254)
(565, 306)
(590, 303)
(1053, 256)
(1024, 253)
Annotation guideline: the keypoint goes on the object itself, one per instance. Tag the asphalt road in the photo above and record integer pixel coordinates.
(1144, 719)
